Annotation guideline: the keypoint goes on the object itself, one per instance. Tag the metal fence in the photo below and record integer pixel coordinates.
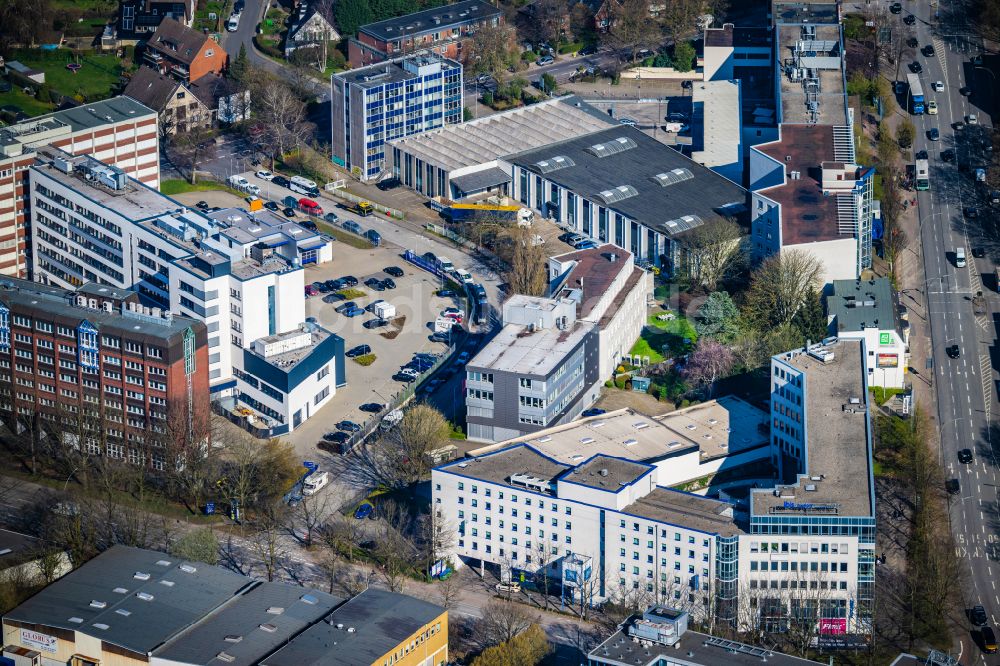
(336, 190)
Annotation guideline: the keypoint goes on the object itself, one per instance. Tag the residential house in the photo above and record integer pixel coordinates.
(138, 18)
(178, 108)
(226, 104)
(184, 53)
(309, 28)
(443, 30)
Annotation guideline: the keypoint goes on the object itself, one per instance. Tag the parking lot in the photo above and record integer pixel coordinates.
(414, 297)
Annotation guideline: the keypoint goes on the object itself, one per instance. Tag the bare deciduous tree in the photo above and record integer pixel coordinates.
(501, 621)
(631, 27)
(491, 50)
(779, 287)
(713, 251)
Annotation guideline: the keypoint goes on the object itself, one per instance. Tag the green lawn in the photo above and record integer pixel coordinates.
(95, 80)
(26, 103)
(178, 186)
(659, 334)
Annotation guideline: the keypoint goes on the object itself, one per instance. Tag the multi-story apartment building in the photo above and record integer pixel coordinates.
(118, 131)
(95, 368)
(605, 528)
(373, 105)
(183, 53)
(240, 273)
(869, 310)
(610, 291)
(539, 370)
(443, 30)
(130, 606)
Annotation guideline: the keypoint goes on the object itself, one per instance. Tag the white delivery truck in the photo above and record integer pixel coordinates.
(384, 310)
(238, 182)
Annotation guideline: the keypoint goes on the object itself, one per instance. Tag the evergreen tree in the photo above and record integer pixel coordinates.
(351, 14)
(238, 69)
(718, 317)
(810, 319)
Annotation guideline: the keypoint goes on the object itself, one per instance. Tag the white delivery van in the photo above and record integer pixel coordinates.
(315, 482)
(960, 257)
(444, 263)
(239, 182)
(234, 23)
(525, 217)
(384, 310)
(443, 324)
(462, 275)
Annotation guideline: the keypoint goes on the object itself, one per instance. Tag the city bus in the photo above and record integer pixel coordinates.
(922, 180)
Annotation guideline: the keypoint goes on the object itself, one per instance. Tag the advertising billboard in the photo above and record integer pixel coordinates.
(888, 361)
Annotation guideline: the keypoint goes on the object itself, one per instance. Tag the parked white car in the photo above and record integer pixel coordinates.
(250, 188)
(263, 174)
(238, 182)
(971, 119)
(462, 276)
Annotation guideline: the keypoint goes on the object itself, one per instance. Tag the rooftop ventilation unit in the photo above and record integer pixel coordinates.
(123, 612)
(269, 628)
(226, 657)
(586, 440)
(76, 620)
(530, 482)
(275, 610)
(167, 583)
(233, 638)
(121, 590)
(672, 177)
(309, 599)
(187, 568)
(163, 563)
(630, 442)
(145, 596)
(101, 626)
(542, 440)
(640, 425)
(98, 604)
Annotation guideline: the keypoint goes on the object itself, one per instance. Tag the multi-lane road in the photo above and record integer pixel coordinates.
(964, 386)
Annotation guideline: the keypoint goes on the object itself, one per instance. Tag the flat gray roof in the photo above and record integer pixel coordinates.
(717, 428)
(831, 96)
(607, 473)
(390, 71)
(497, 467)
(630, 172)
(135, 201)
(481, 141)
(716, 117)
(860, 304)
(517, 350)
(838, 441)
(373, 623)
(97, 114)
(250, 625)
(56, 301)
(696, 649)
(133, 598)
(691, 511)
(431, 20)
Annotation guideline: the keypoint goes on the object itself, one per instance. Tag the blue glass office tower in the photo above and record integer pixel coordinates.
(373, 105)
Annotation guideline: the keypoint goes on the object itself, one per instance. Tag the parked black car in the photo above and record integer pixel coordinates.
(389, 283)
(281, 180)
(388, 184)
(360, 350)
(376, 323)
(394, 271)
(349, 281)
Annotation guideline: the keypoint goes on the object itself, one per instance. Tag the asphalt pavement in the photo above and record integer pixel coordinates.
(964, 385)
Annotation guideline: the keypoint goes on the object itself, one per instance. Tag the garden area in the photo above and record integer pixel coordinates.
(96, 77)
(202, 15)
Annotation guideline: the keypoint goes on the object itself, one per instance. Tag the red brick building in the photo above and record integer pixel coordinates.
(443, 30)
(183, 52)
(97, 370)
(117, 131)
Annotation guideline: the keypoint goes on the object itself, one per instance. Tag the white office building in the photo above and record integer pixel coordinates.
(238, 272)
(868, 310)
(579, 507)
